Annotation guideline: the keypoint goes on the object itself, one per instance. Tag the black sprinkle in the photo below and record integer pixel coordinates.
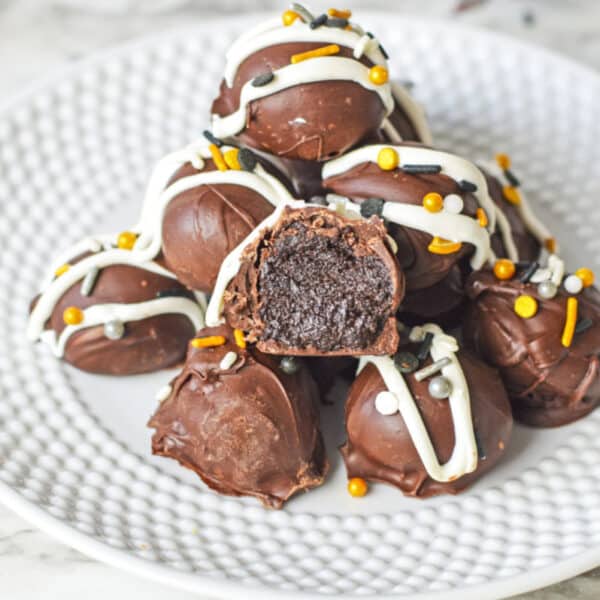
(423, 352)
(247, 159)
(319, 21)
(512, 179)
(583, 325)
(337, 23)
(422, 169)
(212, 139)
(179, 292)
(383, 51)
(480, 448)
(467, 186)
(529, 18)
(370, 35)
(406, 362)
(372, 206)
(528, 274)
(263, 79)
(407, 83)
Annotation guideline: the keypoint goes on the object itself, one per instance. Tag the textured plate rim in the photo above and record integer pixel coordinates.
(221, 588)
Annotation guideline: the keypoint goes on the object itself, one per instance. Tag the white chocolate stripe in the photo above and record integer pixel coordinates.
(56, 289)
(533, 224)
(269, 34)
(325, 68)
(464, 456)
(453, 166)
(456, 228)
(99, 314)
(506, 232)
(415, 113)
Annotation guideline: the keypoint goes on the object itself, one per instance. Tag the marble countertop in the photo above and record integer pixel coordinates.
(37, 36)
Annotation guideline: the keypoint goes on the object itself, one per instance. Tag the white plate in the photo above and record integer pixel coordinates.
(75, 460)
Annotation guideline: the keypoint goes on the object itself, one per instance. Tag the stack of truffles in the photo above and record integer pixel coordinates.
(332, 240)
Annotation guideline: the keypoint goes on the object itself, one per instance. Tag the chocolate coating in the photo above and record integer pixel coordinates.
(527, 245)
(248, 430)
(311, 121)
(318, 284)
(148, 344)
(549, 385)
(201, 226)
(380, 448)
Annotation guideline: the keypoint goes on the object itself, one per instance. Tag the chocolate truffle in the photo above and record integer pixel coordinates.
(438, 211)
(426, 433)
(204, 201)
(304, 87)
(244, 424)
(310, 281)
(541, 330)
(107, 310)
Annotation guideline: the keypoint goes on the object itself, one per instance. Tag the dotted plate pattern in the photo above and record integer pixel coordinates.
(74, 452)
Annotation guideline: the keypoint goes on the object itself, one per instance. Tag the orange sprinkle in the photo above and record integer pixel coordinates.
(586, 276)
(316, 53)
(62, 270)
(503, 161)
(550, 245)
(238, 336)
(126, 240)
(357, 487)
(433, 202)
(504, 269)
(439, 245)
(208, 342)
(289, 17)
(570, 322)
(72, 315)
(217, 157)
(482, 218)
(511, 194)
(378, 75)
(339, 13)
(231, 159)
(526, 306)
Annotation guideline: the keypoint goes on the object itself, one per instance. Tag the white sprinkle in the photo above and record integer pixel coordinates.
(386, 403)
(163, 393)
(573, 284)
(228, 361)
(454, 204)
(89, 281)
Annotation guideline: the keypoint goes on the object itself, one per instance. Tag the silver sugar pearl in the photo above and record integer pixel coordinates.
(289, 365)
(547, 290)
(114, 330)
(440, 387)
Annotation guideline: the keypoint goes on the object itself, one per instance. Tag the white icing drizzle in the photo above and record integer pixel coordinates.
(330, 68)
(324, 68)
(99, 314)
(453, 227)
(231, 264)
(533, 224)
(415, 113)
(557, 269)
(464, 456)
(274, 32)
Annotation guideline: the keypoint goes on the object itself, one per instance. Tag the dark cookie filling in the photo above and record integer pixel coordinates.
(317, 292)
